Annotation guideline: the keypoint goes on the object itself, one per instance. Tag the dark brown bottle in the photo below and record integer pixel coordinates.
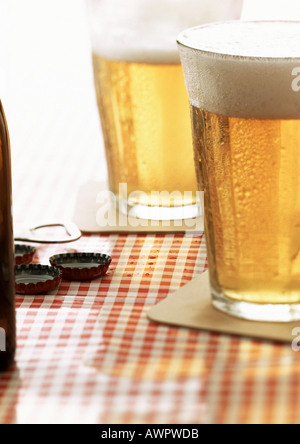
(7, 283)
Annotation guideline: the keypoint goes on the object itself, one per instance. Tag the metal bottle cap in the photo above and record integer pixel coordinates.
(81, 266)
(36, 279)
(24, 254)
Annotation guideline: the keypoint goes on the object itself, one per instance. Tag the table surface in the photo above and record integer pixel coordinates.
(86, 352)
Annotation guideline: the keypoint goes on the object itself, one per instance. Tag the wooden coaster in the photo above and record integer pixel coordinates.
(95, 213)
(191, 307)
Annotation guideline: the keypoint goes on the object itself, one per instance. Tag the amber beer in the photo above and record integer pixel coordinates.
(7, 283)
(143, 102)
(246, 130)
(253, 212)
(145, 118)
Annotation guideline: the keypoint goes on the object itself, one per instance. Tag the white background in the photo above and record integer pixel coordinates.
(46, 86)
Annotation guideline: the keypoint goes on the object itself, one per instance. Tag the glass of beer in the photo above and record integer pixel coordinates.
(243, 80)
(143, 102)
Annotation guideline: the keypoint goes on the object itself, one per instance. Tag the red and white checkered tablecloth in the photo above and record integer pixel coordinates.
(88, 354)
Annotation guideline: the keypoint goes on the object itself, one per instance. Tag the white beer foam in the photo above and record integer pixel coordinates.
(145, 31)
(243, 69)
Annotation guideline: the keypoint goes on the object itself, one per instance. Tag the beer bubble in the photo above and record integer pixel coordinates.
(254, 62)
(145, 31)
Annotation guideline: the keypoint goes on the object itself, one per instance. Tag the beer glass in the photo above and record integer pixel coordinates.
(243, 80)
(143, 102)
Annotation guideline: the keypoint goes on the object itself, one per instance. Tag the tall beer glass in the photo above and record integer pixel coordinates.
(243, 80)
(143, 102)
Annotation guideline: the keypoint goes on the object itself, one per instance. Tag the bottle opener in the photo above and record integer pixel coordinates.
(72, 233)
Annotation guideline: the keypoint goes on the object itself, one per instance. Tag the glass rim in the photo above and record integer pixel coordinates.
(235, 56)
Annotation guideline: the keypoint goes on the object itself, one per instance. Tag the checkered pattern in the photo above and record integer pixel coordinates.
(88, 354)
